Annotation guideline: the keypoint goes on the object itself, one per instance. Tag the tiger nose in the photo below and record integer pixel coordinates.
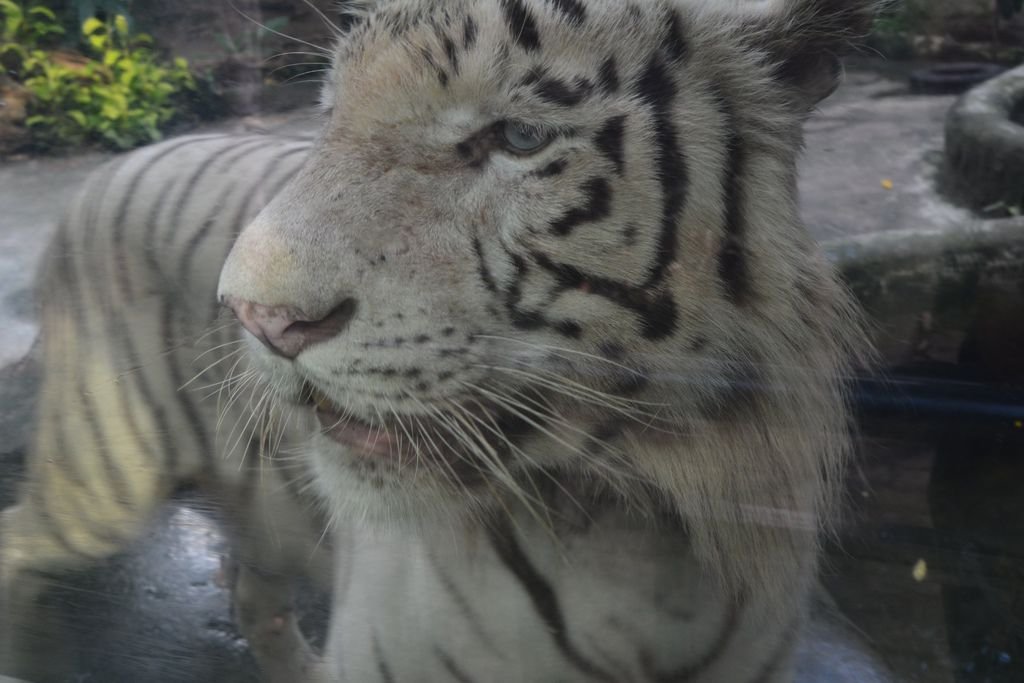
(285, 330)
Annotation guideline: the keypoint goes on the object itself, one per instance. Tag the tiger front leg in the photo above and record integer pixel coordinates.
(277, 541)
(263, 608)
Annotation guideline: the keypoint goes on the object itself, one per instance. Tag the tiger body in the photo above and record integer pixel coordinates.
(132, 405)
(538, 311)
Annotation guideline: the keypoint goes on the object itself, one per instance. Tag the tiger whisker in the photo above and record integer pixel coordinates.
(335, 30)
(562, 350)
(436, 414)
(485, 450)
(579, 392)
(209, 367)
(254, 414)
(321, 50)
(278, 55)
(292, 65)
(291, 79)
(214, 329)
(493, 428)
(517, 408)
(249, 411)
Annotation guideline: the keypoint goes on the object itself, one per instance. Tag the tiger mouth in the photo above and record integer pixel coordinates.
(359, 436)
(420, 438)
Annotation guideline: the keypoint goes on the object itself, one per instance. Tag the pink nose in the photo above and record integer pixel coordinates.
(284, 329)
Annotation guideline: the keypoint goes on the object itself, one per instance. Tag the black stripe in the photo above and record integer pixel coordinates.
(450, 666)
(227, 157)
(561, 93)
(485, 272)
(382, 666)
(89, 225)
(658, 89)
(524, 320)
(80, 516)
(521, 24)
(597, 205)
(657, 311)
(554, 168)
(541, 595)
(573, 10)
(115, 323)
(55, 425)
(272, 192)
(235, 223)
(442, 75)
(150, 249)
(608, 76)
(466, 610)
(733, 268)
(53, 523)
(169, 457)
(675, 40)
(451, 52)
(531, 320)
(469, 33)
(610, 140)
(129, 195)
(192, 416)
(102, 446)
(568, 328)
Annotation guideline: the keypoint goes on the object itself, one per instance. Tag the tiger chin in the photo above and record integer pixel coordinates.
(543, 287)
(536, 318)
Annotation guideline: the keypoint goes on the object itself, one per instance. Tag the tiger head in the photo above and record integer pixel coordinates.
(558, 239)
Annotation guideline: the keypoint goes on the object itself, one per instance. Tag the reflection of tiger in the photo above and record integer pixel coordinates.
(572, 365)
(127, 316)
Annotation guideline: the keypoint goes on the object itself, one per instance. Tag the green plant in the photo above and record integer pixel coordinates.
(24, 29)
(122, 97)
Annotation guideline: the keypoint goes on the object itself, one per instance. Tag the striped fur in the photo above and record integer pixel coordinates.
(146, 234)
(602, 374)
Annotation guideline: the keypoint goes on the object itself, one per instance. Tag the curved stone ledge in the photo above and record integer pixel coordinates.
(922, 290)
(985, 142)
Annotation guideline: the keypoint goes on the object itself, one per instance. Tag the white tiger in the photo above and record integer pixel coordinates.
(538, 310)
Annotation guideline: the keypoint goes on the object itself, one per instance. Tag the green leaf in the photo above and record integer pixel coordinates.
(78, 118)
(42, 12)
(92, 25)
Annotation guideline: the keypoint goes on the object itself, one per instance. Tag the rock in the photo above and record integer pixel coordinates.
(985, 143)
(14, 100)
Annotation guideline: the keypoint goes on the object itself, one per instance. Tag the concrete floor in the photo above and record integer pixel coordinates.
(159, 602)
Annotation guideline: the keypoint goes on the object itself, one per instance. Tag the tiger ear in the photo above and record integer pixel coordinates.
(805, 40)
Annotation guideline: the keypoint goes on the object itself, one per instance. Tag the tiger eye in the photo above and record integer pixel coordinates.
(523, 139)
